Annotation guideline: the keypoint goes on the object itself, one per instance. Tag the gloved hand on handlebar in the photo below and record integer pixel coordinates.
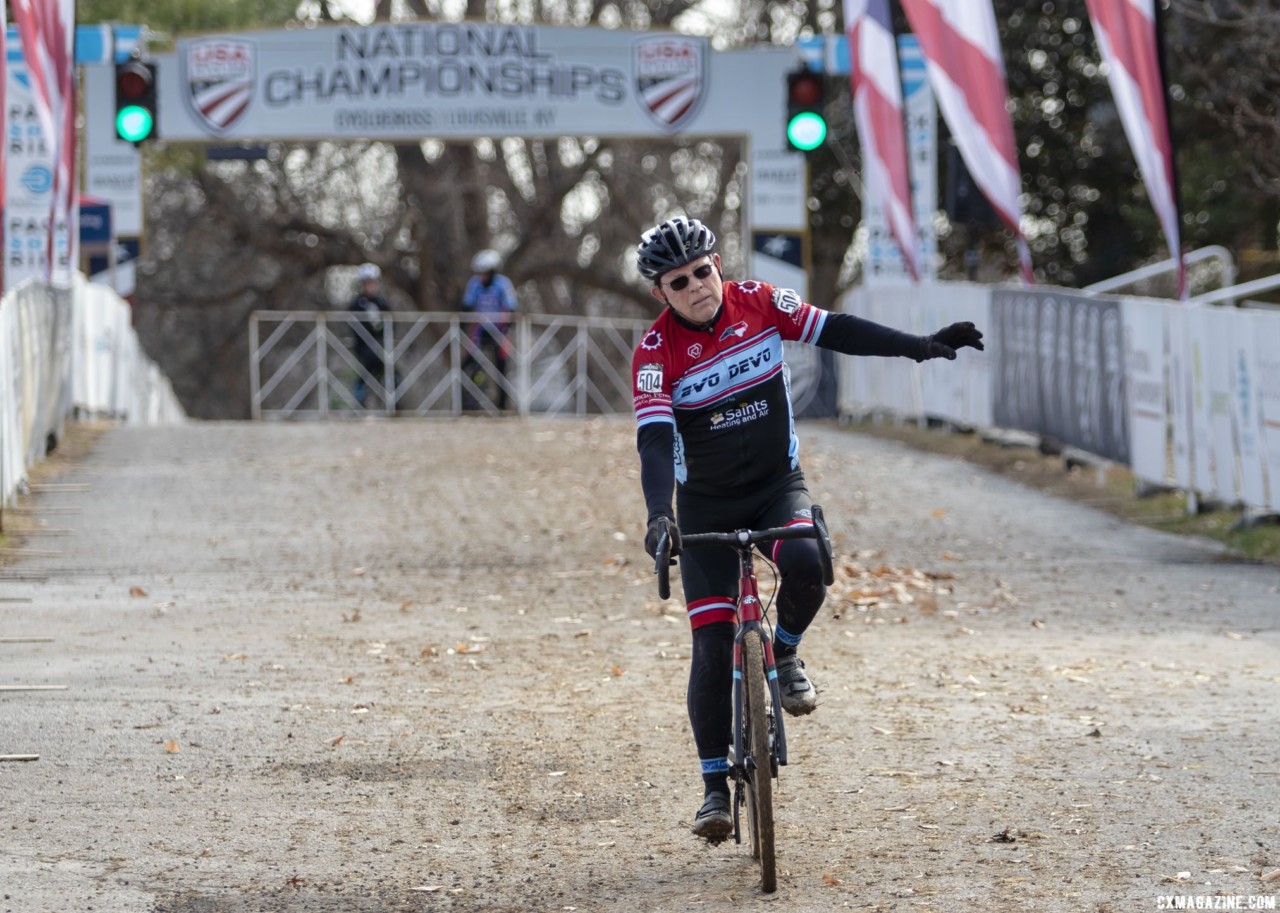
(943, 344)
(657, 526)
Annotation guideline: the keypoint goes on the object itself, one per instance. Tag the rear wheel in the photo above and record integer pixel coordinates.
(760, 766)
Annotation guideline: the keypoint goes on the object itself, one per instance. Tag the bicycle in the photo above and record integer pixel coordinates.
(759, 746)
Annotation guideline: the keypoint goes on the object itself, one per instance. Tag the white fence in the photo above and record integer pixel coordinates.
(302, 364)
(69, 352)
(1186, 395)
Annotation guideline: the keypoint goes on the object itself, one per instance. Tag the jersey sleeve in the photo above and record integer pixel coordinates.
(469, 296)
(796, 320)
(651, 382)
(508, 295)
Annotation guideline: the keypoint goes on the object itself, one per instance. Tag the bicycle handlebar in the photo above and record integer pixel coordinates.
(745, 539)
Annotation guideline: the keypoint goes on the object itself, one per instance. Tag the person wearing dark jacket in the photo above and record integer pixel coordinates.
(714, 426)
(368, 309)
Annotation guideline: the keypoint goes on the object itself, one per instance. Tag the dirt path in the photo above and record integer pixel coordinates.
(421, 666)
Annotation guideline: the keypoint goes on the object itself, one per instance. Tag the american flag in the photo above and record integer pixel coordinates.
(966, 68)
(1126, 32)
(47, 30)
(877, 108)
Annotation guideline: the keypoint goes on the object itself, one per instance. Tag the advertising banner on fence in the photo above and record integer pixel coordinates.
(1058, 360)
(1266, 329)
(1144, 359)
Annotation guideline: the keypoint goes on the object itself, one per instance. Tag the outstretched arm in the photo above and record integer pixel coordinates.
(852, 335)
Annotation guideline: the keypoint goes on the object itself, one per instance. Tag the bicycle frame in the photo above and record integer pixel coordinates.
(751, 617)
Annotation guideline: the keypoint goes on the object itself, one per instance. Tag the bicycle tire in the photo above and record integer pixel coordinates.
(760, 791)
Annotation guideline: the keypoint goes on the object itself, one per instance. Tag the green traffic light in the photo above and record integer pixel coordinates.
(134, 123)
(807, 131)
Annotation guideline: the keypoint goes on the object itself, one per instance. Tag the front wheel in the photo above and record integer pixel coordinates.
(759, 766)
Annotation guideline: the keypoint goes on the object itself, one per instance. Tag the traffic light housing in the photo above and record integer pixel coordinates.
(135, 101)
(806, 109)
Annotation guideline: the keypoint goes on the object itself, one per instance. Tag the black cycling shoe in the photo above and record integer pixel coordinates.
(799, 697)
(714, 821)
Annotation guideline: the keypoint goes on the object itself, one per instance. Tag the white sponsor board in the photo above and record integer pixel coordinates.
(1264, 331)
(1145, 387)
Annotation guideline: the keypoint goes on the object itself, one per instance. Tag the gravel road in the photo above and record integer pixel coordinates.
(421, 665)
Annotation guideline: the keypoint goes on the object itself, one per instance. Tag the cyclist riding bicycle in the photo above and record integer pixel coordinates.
(490, 293)
(714, 424)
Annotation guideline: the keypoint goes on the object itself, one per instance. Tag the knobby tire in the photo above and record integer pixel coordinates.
(760, 793)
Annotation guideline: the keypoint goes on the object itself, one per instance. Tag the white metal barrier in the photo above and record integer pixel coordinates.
(304, 364)
(64, 352)
(1197, 388)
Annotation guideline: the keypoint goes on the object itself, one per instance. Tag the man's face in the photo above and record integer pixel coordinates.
(694, 290)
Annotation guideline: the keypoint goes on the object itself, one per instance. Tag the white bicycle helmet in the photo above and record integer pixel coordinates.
(367, 271)
(672, 244)
(487, 261)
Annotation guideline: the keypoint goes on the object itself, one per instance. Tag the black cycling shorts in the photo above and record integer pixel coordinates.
(710, 573)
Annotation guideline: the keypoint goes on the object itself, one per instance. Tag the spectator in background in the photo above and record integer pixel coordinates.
(492, 295)
(368, 309)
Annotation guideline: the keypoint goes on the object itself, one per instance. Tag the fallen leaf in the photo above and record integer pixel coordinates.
(172, 747)
(617, 671)
(137, 592)
(1005, 836)
(428, 651)
(338, 741)
(828, 878)
(939, 512)
(404, 606)
(468, 648)
(296, 882)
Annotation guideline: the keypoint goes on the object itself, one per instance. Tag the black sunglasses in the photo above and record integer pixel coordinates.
(680, 283)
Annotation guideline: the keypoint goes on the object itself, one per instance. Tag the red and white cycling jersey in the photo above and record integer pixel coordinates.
(725, 387)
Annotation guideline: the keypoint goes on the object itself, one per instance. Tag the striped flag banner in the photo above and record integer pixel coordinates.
(877, 108)
(966, 68)
(1127, 37)
(47, 30)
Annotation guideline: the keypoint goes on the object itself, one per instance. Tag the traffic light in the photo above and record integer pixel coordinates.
(135, 100)
(806, 100)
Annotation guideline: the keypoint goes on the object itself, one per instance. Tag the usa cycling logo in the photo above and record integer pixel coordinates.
(739, 329)
(670, 78)
(219, 75)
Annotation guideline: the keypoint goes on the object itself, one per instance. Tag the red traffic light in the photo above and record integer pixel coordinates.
(134, 80)
(804, 89)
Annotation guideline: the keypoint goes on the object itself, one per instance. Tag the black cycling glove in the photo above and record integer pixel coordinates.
(657, 526)
(943, 344)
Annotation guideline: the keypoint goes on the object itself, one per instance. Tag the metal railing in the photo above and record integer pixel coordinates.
(1164, 267)
(306, 364)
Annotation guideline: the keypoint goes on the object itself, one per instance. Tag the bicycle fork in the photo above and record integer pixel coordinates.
(751, 617)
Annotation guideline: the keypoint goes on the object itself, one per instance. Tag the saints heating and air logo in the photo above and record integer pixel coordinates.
(671, 78)
(219, 75)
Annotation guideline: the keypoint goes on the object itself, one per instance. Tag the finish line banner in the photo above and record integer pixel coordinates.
(457, 80)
